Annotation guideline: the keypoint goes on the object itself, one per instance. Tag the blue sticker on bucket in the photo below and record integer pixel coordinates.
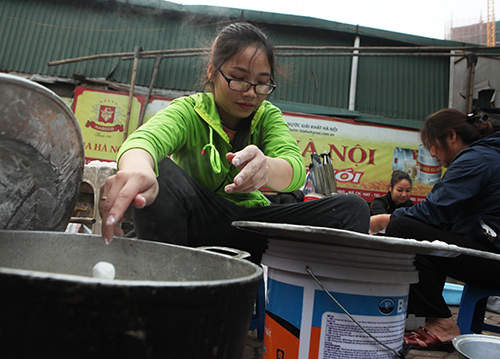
(285, 300)
(357, 305)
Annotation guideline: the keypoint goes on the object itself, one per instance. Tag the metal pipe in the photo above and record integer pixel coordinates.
(354, 76)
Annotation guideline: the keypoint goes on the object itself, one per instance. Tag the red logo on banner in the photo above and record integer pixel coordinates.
(98, 127)
(107, 114)
(107, 118)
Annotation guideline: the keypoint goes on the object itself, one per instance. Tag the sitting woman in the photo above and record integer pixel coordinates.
(462, 209)
(198, 165)
(397, 197)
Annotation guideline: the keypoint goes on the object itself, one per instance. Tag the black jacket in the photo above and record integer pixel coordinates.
(385, 205)
(468, 195)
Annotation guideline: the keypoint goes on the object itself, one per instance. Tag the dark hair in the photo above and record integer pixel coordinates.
(398, 176)
(439, 125)
(231, 40)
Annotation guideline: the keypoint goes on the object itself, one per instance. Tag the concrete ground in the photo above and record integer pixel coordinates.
(254, 348)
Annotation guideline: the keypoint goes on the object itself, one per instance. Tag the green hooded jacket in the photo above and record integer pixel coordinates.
(190, 131)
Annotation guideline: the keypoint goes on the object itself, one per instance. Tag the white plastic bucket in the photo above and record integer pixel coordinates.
(302, 321)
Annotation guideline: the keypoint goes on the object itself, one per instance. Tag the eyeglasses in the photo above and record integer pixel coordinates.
(243, 86)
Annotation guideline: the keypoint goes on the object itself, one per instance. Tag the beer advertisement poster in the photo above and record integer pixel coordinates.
(365, 155)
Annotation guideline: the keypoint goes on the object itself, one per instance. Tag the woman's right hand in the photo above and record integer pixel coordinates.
(135, 183)
(379, 222)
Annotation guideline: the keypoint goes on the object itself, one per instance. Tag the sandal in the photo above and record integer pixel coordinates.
(432, 342)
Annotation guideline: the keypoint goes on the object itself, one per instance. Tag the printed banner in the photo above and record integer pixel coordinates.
(365, 155)
(102, 118)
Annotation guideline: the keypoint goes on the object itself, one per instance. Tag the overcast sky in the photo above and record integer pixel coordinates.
(429, 18)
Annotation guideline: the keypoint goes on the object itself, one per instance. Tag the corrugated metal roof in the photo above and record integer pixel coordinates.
(36, 32)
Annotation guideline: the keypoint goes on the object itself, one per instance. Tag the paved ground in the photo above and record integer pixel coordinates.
(253, 349)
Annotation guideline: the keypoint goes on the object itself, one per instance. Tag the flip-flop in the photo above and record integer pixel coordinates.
(432, 342)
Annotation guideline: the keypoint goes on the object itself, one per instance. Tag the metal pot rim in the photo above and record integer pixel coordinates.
(127, 282)
(43, 242)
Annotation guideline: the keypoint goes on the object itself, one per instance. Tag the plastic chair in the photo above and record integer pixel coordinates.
(95, 175)
(472, 310)
(258, 318)
(452, 293)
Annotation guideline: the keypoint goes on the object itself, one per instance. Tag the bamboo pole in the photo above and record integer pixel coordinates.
(150, 90)
(379, 54)
(201, 51)
(388, 48)
(165, 56)
(137, 51)
(124, 54)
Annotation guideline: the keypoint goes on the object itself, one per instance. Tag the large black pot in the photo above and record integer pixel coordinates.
(166, 301)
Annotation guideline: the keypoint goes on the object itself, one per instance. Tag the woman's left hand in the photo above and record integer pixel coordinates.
(254, 170)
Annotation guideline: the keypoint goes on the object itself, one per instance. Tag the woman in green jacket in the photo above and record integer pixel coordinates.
(198, 165)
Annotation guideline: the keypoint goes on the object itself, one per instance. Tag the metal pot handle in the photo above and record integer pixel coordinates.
(230, 252)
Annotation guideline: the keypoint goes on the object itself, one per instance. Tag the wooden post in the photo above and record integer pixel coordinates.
(471, 64)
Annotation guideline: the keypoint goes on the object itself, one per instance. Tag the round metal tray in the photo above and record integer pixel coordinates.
(341, 237)
(41, 157)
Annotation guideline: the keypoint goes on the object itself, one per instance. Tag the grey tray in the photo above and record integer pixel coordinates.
(341, 237)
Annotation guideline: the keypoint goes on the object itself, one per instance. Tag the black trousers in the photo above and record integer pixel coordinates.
(426, 299)
(186, 213)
